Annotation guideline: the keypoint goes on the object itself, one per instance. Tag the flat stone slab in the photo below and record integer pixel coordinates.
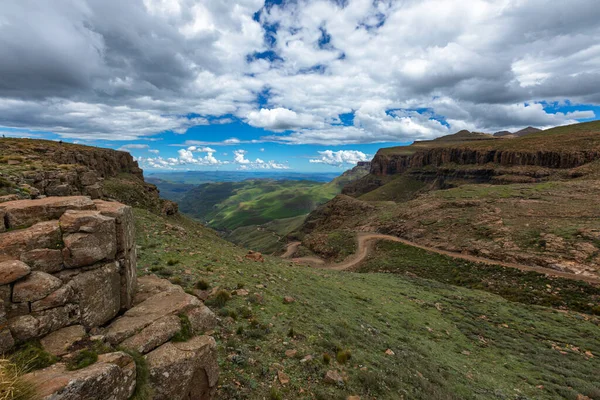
(150, 310)
(112, 377)
(155, 334)
(42, 235)
(22, 213)
(59, 342)
(35, 286)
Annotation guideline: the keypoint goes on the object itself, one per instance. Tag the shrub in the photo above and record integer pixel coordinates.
(202, 285)
(186, 332)
(172, 261)
(221, 298)
(143, 391)
(274, 394)
(343, 356)
(326, 359)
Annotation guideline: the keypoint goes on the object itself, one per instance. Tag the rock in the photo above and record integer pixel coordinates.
(10, 271)
(193, 364)
(353, 398)
(59, 342)
(255, 256)
(89, 238)
(151, 285)
(6, 340)
(35, 286)
(169, 207)
(202, 319)
(45, 260)
(21, 213)
(2, 224)
(128, 271)
(306, 359)
(150, 310)
(333, 377)
(94, 191)
(24, 327)
(99, 293)
(154, 335)
(283, 378)
(241, 292)
(291, 353)
(288, 300)
(389, 352)
(112, 377)
(42, 235)
(55, 318)
(10, 197)
(59, 297)
(16, 309)
(125, 226)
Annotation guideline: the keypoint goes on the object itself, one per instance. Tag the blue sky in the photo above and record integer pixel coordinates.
(307, 85)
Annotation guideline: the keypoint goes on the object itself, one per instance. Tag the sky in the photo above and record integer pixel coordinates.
(303, 85)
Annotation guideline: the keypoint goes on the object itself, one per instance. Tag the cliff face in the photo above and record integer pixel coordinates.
(34, 168)
(390, 164)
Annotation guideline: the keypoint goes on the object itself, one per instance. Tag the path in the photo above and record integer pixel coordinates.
(365, 241)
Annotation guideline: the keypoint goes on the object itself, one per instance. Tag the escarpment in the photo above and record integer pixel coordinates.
(68, 280)
(390, 164)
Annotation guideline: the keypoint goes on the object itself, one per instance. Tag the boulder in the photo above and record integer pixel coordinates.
(35, 286)
(59, 342)
(202, 319)
(55, 318)
(333, 377)
(6, 340)
(21, 213)
(155, 334)
(24, 327)
(128, 268)
(89, 238)
(99, 294)
(150, 310)
(150, 285)
(45, 260)
(112, 377)
(192, 363)
(42, 235)
(10, 271)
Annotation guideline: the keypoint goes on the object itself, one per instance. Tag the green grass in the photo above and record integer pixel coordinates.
(31, 356)
(449, 342)
(267, 238)
(401, 188)
(510, 283)
(230, 205)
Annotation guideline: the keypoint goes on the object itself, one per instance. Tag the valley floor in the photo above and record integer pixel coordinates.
(388, 336)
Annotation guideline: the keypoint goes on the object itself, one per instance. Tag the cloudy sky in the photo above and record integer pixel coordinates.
(297, 84)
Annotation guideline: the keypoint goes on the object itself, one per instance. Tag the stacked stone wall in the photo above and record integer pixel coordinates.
(63, 261)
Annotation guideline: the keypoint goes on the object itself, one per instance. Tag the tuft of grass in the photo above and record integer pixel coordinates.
(143, 390)
(12, 386)
(31, 356)
(343, 356)
(221, 298)
(326, 359)
(172, 261)
(83, 359)
(274, 394)
(202, 285)
(186, 332)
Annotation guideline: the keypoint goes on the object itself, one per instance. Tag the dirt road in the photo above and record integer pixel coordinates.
(365, 241)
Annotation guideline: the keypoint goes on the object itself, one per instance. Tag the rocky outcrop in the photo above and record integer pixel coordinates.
(64, 261)
(69, 280)
(390, 164)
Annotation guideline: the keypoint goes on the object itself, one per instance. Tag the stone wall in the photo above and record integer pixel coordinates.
(63, 261)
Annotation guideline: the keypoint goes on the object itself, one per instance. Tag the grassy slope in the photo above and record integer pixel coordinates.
(230, 205)
(449, 342)
(267, 238)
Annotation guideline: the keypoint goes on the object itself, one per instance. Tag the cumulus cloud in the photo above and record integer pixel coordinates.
(133, 146)
(339, 158)
(239, 157)
(126, 70)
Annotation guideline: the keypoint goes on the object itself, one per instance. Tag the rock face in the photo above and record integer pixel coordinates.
(73, 263)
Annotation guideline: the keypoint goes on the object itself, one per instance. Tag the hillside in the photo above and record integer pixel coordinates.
(529, 199)
(387, 336)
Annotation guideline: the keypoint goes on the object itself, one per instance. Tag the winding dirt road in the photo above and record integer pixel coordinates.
(365, 245)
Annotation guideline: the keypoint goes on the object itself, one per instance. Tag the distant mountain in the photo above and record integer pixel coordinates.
(464, 135)
(199, 177)
(527, 131)
(503, 134)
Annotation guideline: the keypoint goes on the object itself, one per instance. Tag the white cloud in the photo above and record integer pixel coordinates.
(281, 119)
(239, 157)
(340, 157)
(133, 146)
(154, 151)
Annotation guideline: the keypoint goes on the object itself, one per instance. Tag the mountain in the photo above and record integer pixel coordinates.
(527, 131)
(529, 200)
(502, 134)
(410, 323)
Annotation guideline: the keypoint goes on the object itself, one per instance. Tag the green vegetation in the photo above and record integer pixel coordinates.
(333, 246)
(82, 359)
(186, 332)
(510, 283)
(267, 238)
(30, 356)
(445, 341)
(401, 188)
(143, 391)
(12, 386)
(229, 205)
